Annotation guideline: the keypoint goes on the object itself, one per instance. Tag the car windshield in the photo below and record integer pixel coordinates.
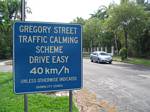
(104, 54)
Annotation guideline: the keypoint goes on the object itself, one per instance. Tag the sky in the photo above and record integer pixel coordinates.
(63, 10)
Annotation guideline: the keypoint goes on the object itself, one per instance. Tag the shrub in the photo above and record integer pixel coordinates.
(123, 53)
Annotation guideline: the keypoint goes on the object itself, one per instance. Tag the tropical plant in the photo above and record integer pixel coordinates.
(101, 13)
(9, 12)
(122, 53)
(128, 19)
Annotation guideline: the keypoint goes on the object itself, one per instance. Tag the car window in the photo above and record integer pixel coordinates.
(94, 53)
(104, 54)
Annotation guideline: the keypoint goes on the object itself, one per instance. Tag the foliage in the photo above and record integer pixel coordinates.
(5, 40)
(91, 32)
(122, 53)
(126, 25)
(95, 34)
(122, 25)
(128, 20)
(140, 1)
(9, 13)
(101, 13)
(79, 20)
(124, 1)
(9, 102)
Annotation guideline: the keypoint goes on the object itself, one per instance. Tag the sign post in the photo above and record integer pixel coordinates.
(47, 57)
(70, 101)
(23, 19)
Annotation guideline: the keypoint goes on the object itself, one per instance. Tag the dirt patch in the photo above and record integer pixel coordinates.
(87, 102)
(58, 93)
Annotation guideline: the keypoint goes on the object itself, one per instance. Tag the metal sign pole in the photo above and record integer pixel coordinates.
(25, 103)
(23, 19)
(22, 10)
(70, 100)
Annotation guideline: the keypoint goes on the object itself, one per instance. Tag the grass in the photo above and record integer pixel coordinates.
(116, 58)
(86, 54)
(9, 102)
(138, 61)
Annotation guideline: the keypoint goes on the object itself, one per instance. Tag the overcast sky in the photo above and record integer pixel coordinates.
(63, 10)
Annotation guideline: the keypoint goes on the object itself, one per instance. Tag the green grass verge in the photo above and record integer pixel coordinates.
(86, 55)
(116, 58)
(9, 102)
(138, 61)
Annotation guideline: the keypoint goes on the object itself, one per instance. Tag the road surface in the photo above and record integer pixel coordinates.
(126, 86)
(5, 68)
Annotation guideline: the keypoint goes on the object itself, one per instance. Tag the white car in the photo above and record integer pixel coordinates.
(100, 56)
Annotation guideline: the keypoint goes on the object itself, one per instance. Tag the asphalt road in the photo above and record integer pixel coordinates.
(126, 86)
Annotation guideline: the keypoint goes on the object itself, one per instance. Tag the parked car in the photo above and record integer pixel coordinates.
(100, 56)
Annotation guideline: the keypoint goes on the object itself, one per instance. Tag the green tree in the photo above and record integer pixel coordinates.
(124, 1)
(91, 31)
(79, 20)
(9, 12)
(128, 19)
(141, 2)
(101, 13)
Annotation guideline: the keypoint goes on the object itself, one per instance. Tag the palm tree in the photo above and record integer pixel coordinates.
(10, 9)
(124, 1)
(101, 13)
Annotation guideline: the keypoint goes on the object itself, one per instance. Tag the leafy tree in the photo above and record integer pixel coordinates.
(79, 20)
(129, 19)
(141, 2)
(124, 1)
(9, 12)
(147, 7)
(122, 53)
(10, 9)
(126, 25)
(91, 32)
(101, 13)
(145, 35)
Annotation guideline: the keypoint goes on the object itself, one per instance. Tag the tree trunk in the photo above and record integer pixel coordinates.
(116, 44)
(91, 45)
(126, 42)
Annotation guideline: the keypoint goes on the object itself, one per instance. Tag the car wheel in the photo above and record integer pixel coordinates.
(110, 62)
(98, 61)
(91, 60)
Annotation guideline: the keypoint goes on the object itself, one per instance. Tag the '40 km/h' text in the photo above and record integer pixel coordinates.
(50, 71)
